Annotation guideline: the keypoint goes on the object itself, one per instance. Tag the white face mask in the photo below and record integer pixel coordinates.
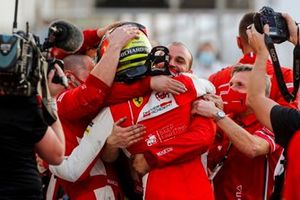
(206, 58)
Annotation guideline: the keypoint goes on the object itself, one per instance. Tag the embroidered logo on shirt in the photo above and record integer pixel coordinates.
(161, 95)
(138, 101)
(151, 140)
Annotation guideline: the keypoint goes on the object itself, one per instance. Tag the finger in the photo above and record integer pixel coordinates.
(288, 18)
(172, 91)
(177, 87)
(266, 29)
(51, 74)
(113, 25)
(120, 121)
(59, 70)
(136, 128)
(134, 141)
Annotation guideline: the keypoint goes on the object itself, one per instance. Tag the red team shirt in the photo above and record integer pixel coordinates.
(242, 177)
(234, 180)
(76, 109)
(171, 135)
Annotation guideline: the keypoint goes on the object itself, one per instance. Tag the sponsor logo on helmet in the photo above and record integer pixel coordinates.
(134, 50)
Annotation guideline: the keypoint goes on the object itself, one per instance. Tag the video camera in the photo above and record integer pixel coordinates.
(278, 27)
(24, 62)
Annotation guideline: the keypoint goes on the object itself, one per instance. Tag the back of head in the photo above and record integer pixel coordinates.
(246, 20)
(78, 63)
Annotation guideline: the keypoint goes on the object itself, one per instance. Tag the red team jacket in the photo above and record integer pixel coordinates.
(76, 108)
(170, 136)
(234, 189)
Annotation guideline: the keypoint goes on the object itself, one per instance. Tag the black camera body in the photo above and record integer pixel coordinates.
(278, 26)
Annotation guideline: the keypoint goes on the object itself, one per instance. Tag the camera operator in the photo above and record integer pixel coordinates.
(24, 133)
(283, 121)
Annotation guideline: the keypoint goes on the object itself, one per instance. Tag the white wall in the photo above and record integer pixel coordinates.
(26, 12)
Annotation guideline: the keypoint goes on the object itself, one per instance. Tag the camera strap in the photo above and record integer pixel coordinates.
(277, 69)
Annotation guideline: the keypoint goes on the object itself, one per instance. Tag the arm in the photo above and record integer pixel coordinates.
(86, 153)
(257, 99)
(121, 91)
(84, 100)
(192, 143)
(105, 69)
(51, 147)
(250, 145)
(121, 138)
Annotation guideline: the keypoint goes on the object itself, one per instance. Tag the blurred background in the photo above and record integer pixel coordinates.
(203, 25)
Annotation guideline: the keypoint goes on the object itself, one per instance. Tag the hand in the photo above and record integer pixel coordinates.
(102, 31)
(204, 108)
(292, 28)
(122, 35)
(166, 84)
(140, 164)
(216, 99)
(54, 88)
(124, 137)
(256, 40)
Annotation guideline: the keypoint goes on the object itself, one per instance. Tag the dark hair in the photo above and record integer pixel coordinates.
(246, 20)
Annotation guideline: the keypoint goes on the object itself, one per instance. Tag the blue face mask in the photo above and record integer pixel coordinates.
(206, 59)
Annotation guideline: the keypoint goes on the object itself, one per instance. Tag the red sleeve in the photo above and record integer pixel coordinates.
(90, 40)
(267, 135)
(194, 142)
(83, 100)
(121, 92)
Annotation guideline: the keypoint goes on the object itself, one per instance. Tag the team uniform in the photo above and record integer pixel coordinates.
(247, 178)
(171, 137)
(76, 109)
(221, 80)
(285, 123)
(241, 184)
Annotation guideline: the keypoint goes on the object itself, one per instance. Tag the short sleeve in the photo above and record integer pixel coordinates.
(268, 136)
(285, 122)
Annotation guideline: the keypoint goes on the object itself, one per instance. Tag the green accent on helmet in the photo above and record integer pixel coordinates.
(133, 55)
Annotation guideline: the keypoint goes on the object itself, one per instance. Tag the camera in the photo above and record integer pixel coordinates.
(278, 26)
(25, 62)
(20, 64)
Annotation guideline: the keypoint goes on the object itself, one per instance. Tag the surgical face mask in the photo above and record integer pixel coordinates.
(206, 58)
(234, 102)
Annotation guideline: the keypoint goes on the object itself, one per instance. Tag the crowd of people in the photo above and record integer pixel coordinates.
(131, 127)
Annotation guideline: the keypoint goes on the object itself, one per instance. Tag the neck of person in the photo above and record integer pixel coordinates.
(247, 49)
